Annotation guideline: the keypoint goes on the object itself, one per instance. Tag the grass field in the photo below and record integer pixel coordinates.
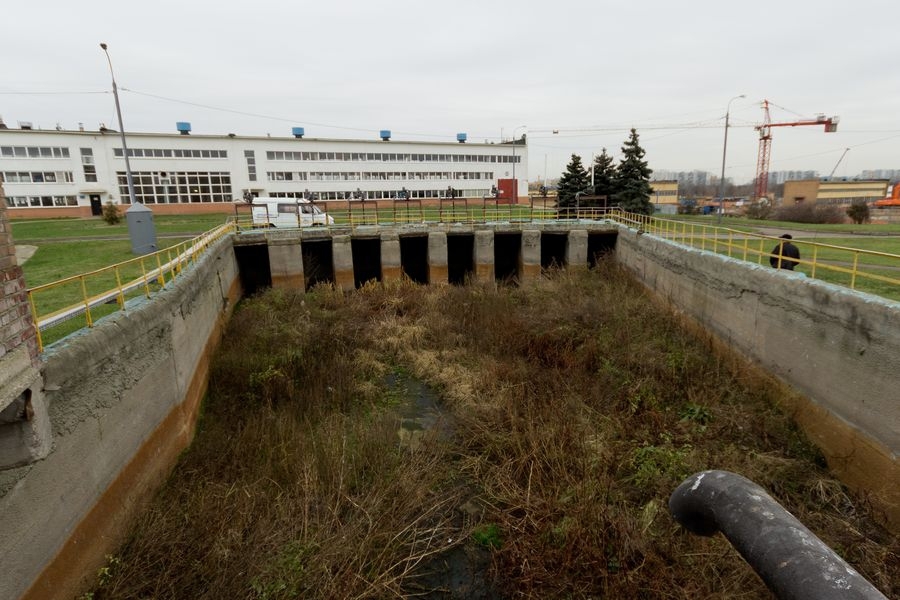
(574, 407)
(750, 225)
(68, 247)
(46, 229)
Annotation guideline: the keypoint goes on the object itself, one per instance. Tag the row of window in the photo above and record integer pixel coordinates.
(37, 176)
(26, 201)
(170, 153)
(34, 152)
(375, 175)
(177, 187)
(379, 194)
(391, 157)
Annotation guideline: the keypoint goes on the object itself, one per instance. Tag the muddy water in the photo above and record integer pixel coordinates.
(461, 571)
(420, 412)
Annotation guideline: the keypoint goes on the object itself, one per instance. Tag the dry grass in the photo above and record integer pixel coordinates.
(577, 406)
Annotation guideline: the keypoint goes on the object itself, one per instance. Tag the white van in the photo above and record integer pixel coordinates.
(288, 212)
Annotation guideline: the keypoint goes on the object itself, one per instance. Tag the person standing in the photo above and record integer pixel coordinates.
(785, 255)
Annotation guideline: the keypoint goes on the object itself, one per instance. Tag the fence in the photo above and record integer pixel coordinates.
(865, 270)
(62, 307)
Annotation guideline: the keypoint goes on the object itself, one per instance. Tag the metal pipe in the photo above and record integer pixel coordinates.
(788, 557)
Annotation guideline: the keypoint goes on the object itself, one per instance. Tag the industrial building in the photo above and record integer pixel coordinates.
(74, 173)
(834, 191)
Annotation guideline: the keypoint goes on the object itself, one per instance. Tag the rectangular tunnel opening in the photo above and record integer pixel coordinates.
(366, 260)
(414, 257)
(318, 262)
(599, 246)
(253, 267)
(507, 257)
(460, 258)
(553, 250)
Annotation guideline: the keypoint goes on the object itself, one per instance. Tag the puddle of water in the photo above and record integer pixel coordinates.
(419, 410)
(461, 571)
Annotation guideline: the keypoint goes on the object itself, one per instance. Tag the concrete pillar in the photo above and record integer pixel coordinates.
(391, 266)
(577, 249)
(24, 421)
(484, 255)
(437, 258)
(530, 255)
(342, 253)
(286, 264)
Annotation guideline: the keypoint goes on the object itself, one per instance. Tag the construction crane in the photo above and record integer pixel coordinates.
(846, 150)
(765, 144)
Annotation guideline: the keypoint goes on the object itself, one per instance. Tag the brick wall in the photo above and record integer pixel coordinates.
(16, 324)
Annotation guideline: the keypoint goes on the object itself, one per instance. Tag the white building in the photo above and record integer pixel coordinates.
(73, 173)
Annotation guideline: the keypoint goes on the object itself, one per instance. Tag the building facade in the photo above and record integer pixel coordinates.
(74, 173)
(834, 191)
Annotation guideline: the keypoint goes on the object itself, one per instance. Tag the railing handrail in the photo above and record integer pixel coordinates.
(401, 212)
(185, 251)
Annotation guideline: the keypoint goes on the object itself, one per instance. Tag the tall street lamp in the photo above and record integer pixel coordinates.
(515, 183)
(724, 150)
(121, 129)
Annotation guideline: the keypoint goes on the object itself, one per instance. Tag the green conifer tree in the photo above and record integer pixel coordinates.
(632, 180)
(604, 177)
(574, 180)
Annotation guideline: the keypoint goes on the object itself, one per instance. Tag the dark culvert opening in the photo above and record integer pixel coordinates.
(553, 250)
(507, 256)
(414, 257)
(318, 262)
(460, 258)
(254, 268)
(366, 260)
(599, 245)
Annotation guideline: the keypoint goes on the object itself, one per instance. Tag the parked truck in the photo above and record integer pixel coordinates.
(287, 213)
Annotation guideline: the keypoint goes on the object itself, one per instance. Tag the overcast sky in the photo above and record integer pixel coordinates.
(428, 70)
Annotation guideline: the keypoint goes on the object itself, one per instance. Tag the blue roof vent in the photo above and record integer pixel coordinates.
(183, 127)
(461, 138)
(298, 132)
(385, 135)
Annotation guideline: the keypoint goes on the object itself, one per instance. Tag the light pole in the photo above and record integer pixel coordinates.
(724, 150)
(128, 175)
(515, 183)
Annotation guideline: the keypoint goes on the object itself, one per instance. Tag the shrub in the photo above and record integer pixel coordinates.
(111, 213)
(859, 212)
(807, 212)
(759, 210)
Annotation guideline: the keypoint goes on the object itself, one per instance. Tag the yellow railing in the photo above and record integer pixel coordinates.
(72, 303)
(355, 213)
(855, 268)
(107, 290)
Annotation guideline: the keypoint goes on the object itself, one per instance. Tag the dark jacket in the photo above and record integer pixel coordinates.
(783, 253)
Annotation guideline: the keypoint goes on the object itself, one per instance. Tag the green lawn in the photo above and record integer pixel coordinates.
(749, 225)
(41, 229)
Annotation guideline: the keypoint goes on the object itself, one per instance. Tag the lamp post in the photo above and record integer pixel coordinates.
(128, 174)
(515, 183)
(724, 150)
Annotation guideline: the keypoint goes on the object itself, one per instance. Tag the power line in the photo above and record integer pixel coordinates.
(50, 93)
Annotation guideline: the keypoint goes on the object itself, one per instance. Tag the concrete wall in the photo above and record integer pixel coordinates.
(123, 401)
(838, 348)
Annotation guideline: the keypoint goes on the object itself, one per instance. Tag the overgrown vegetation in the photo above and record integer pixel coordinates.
(576, 406)
(808, 212)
